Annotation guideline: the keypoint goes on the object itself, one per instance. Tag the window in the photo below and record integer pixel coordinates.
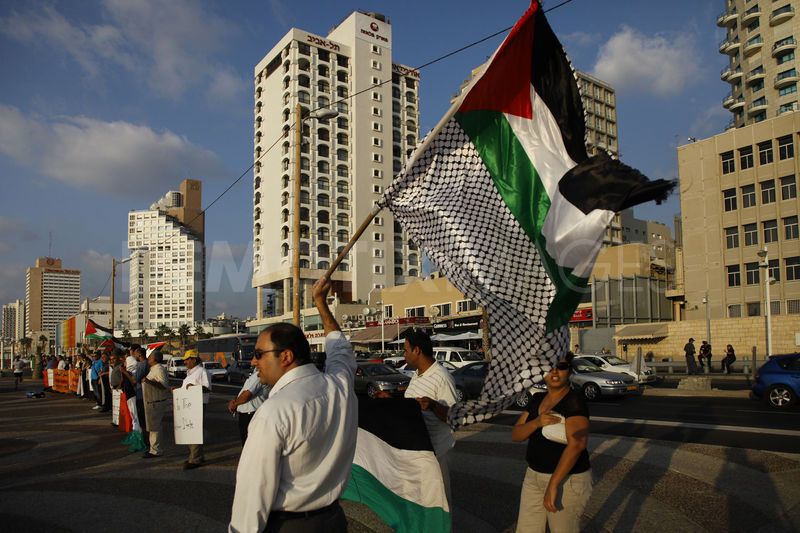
(377, 173)
(790, 228)
(376, 81)
(729, 195)
(748, 196)
(323, 151)
(376, 141)
(789, 89)
(746, 157)
(751, 273)
(377, 189)
(376, 96)
(792, 268)
(768, 192)
(770, 231)
(753, 309)
(376, 112)
(377, 252)
(378, 221)
(785, 147)
(377, 237)
(734, 311)
(756, 86)
(415, 311)
(774, 270)
(750, 234)
(788, 188)
(376, 49)
(377, 269)
(378, 158)
(785, 58)
(765, 153)
(463, 306)
(376, 126)
(376, 64)
(793, 307)
(734, 275)
(732, 237)
(444, 309)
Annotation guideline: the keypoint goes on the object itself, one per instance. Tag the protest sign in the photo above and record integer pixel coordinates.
(115, 399)
(187, 413)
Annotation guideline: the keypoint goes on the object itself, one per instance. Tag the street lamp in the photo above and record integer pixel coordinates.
(322, 114)
(769, 280)
(708, 317)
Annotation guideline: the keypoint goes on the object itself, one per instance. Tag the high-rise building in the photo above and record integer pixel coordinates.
(655, 234)
(168, 269)
(52, 293)
(11, 317)
(344, 163)
(600, 107)
(760, 44)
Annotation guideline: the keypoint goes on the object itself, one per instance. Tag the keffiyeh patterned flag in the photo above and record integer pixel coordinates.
(504, 199)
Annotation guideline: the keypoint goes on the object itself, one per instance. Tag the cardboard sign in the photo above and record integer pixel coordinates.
(187, 405)
(115, 400)
(50, 378)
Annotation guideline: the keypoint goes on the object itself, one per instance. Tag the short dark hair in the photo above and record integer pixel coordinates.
(287, 336)
(140, 350)
(420, 339)
(134, 348)
(158, 356)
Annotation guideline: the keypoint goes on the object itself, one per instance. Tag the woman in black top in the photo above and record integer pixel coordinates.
(558, 481)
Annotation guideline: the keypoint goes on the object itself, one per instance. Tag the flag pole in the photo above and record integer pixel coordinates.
(361, 229)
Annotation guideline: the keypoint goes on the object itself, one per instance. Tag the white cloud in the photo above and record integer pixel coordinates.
(12, 282)
(171, 44)
(111, 157)
(658, 64)
(710, 122)
(580, 38)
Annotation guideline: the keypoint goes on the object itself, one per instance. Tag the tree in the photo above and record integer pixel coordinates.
(143, 336)
(25, 344)
(184, 331)
(199, 332)
(42, 343)
(162, 331)
(126, 334)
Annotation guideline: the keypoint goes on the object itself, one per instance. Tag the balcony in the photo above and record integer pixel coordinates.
(786, 109)
(728, 74)
(753, 45)
(729, 46)
(757, 106)
(786, 78)
(738, 103)
(727, 18)
(781, 15)
(727, 101)
(784, 45)
(755, 75)
(751, 14)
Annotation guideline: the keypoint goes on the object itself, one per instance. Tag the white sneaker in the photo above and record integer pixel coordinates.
(96, 407)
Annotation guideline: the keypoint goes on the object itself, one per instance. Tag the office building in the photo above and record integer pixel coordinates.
(168, 267)
(345, 162)
(600, 108)
(760, 44)
(52, 294)
(14, 320)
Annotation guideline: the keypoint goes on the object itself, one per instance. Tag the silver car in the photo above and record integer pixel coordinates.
(594, 382)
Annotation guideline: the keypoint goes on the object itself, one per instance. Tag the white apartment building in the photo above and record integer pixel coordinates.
(167, 272)
(345, 162)
(14, 320)
(52, 294)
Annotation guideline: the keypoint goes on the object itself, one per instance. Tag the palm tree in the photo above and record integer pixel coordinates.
(184, 331)
(126, 335)
(25, 344)
(199, 332)
(162, 331)
(143, 336)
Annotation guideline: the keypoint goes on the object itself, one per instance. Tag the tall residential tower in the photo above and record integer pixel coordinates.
(52, 294)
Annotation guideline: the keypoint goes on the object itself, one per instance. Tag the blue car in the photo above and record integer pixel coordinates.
(778, 381)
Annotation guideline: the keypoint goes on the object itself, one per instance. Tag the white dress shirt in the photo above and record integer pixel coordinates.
(435, 383)
(259, 393)
(197, 376)
(301, 442)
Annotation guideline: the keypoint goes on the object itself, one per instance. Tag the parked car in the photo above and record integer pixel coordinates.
(395, 361)
(778, 381)
(612, 363)
(469, 380)
(457, 356)
(408, 371)
(594, 382)
(176, 368)
(215, 370)
(374, 377)
(238, 371)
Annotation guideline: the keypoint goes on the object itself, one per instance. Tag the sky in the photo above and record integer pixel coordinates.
(105, 105)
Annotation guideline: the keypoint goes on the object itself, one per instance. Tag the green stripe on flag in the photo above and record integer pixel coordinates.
(521, 188)
(402, 515)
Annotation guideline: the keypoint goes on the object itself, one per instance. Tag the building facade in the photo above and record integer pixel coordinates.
(14, 320)
(760, 44)
(344, 164)
(52, 294)
(168, 267)
(739, 198)
(600, 109)
(655, 234)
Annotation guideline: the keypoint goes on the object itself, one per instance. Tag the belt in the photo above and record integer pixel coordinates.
(291, 515)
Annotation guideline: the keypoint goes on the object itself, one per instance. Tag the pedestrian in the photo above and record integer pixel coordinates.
(62, 363)
(140, 371)
(689, 351)
(134, 439)
(250, 398)
(95, 369)
(301, 441)
(105, 387)
(19, 368)
(704, 355)
(196, 375)
(728, 360)
(155, 388)
(433, 387)
(558, 480)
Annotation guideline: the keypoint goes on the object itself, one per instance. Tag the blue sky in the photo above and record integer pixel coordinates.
(107, 104)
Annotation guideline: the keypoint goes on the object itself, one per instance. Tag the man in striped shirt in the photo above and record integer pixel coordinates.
(433, 387)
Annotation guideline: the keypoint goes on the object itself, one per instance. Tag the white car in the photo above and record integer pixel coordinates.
(405, 369)
(215, 370)
(457, 356)
(176, 368)
(612, 363)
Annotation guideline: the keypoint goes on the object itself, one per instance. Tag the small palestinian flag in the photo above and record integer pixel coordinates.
(504, 199)
(395, 472)
(153, 346)
(96, 332)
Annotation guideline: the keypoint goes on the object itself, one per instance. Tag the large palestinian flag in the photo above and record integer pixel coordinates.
(504, 199)
(395, 472)
(96, 332)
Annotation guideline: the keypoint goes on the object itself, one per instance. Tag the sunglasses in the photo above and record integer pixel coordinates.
(258, 353)
(562, 365)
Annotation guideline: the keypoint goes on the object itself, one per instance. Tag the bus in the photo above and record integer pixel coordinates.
(227, 349)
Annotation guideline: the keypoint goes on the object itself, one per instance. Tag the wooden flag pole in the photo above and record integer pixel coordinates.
(361, 229)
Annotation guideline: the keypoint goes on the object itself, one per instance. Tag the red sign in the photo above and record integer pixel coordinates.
(403, 320)
(582, 315)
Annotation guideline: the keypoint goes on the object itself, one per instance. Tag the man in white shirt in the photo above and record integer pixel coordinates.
(196, 375)
(433, 387)
(299, 452)
(250, 398)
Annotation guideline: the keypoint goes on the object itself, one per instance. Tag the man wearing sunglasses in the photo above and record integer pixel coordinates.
(301, 440)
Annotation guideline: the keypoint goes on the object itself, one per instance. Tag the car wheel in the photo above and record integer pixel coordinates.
(523, 399)
(591, 391)
(372, 390)
(459, 394)
(780, 397)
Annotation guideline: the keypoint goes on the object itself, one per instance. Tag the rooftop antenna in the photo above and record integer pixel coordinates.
(50, 244)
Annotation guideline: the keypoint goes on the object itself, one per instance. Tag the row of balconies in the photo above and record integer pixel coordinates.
(729, 17)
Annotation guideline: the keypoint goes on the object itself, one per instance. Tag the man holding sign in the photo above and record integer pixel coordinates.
(301, 440)
(196, 375)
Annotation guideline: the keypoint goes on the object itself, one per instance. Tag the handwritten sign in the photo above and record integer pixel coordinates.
(115, 400)
(187, 406)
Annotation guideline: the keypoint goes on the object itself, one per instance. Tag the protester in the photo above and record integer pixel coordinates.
(302, 440)
(691, 365)
(433, 387)
(96, 368)
(728, 360)
(195, 375)
(558, 480)
(115, 379)
(155, 388)
(704, 355)
(140, 371)
(250, 398)
(19, 368)
(134, 439)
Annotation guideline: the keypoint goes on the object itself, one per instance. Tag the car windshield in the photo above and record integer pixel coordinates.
(378, 370)
(585, 366)
(212, 365)
(614, 360)
(470, 356)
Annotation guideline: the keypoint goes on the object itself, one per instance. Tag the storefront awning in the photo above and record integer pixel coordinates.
(373, 334)
(466, 336)
(642, 331)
